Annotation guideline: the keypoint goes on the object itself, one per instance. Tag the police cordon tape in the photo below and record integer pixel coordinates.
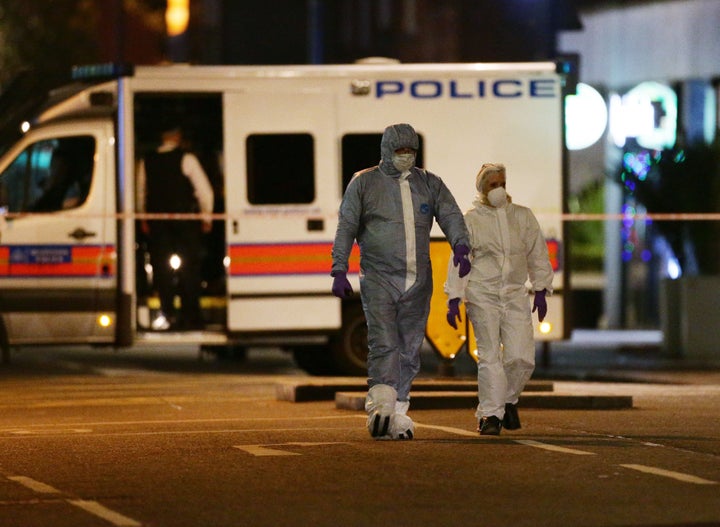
(665, 216)
(568, 217)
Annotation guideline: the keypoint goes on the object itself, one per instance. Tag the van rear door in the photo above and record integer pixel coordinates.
(282, 187)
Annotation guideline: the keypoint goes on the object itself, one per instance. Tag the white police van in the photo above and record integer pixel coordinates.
(280, 143)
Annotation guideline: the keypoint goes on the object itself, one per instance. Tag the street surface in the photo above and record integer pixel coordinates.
(100, 438)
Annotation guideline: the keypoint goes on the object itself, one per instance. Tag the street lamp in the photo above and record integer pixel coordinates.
(177, 17)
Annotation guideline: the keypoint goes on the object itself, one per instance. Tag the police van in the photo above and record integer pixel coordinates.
(279, 144)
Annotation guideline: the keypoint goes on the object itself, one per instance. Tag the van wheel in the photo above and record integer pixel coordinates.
(4, 343)
(315, 360)
(229, 352)
(349, 348)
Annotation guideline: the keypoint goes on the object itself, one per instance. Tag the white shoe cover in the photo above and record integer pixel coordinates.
(401, 427)
(402, 407)
(380, 406)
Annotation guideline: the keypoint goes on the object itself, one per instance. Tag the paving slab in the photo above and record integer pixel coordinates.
(325, 390)
(446, 400)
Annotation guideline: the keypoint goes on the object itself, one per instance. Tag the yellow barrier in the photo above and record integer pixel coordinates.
(446, 341)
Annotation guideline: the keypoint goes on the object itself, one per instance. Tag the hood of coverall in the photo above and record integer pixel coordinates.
(396, 136)
(485, 171)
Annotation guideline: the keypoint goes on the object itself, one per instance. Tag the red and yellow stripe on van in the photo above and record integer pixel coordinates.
(264, 259)
(76, 261)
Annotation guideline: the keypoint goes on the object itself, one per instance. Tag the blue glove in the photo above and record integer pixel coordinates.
(453, 314)
(540, 305)
(460, 258)
(341, 287)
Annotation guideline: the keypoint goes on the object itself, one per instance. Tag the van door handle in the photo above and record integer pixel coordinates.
(80, 234)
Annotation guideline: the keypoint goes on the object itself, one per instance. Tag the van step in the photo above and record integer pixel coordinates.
(207, 337)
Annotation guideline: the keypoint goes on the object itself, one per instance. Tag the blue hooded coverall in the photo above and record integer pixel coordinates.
(391, 215)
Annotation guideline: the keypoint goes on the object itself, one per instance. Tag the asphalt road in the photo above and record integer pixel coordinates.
(92, 438)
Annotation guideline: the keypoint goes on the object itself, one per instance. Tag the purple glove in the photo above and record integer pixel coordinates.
(540, 304)
(453, 314)
(341, 288)
(460, 257)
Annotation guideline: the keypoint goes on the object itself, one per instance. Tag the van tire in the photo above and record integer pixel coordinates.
(4, 343)
(315, 360)
(228, 353)
(349, 348)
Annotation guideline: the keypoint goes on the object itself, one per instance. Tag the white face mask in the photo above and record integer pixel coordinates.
(403, 162)
(497, 197)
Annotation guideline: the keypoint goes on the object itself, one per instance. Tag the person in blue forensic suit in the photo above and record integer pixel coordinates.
(389, 209)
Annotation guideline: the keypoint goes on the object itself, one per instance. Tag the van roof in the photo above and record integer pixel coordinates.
(336, 70)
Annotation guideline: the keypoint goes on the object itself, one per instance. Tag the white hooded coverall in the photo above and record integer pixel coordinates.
(506, 248)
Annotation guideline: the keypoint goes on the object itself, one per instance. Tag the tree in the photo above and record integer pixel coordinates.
(46, 36)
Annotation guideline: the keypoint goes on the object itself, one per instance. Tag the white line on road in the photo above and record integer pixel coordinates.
(315, 443)
(554, 448)
(26, 432)
(528, 442)
(261, 450)
(93, 507)
(449, 429)
(187, 421)
(37, 486)
(687, 478)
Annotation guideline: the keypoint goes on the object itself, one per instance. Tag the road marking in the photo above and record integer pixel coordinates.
(261, 450)
(687, 478)
(172, 405)
(528, 442)
(93, 507)
(554, 448)
(129, 400)
(25, 432)
(37, 486)
(315, 443)
(191, 421)
(449, 429)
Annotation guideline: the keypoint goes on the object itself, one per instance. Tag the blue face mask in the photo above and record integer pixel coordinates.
(403, 162)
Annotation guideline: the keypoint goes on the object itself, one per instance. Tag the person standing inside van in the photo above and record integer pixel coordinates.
(171, 180)
(389, 209)
(508, 248)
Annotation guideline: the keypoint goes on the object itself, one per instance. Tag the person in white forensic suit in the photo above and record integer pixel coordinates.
(507, 248)
(389, 209)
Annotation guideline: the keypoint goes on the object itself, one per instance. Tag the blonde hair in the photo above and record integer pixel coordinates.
(485, 172)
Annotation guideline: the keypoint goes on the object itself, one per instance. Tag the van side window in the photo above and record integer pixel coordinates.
(49, 175)
(280, 169)
(361, 151)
